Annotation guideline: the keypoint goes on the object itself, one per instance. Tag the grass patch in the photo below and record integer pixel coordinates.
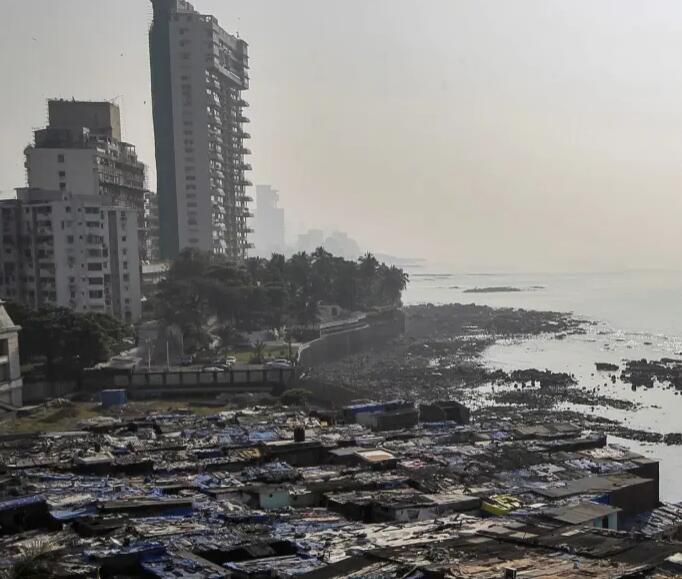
(52, 419)
(244, 357)
(67, 417)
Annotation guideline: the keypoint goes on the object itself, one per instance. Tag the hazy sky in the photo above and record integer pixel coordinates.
(525, 134)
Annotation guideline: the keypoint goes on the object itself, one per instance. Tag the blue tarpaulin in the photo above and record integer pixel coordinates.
(21, 502)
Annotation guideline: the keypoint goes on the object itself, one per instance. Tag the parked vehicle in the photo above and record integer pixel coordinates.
(213, 369)
(278, 363)
(187, 360)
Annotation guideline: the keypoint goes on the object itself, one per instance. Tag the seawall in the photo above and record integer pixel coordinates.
(343, 341)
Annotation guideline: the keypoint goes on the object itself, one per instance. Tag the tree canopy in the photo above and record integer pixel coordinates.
(67, 341)
(269, 293)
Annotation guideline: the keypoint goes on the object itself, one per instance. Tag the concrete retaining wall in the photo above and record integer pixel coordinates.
(373, 331)
(37, 392)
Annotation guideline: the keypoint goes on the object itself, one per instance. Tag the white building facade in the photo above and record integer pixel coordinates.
(70, 250)
(11, 387)
(82, 151)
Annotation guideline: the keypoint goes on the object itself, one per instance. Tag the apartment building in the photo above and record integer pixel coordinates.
(61, 248)
(151, 251)
(269, 222)
(82, 151)
(199, 73)
(10, 369)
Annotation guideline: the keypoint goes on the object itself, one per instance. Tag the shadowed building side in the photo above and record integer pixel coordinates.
(162, 105)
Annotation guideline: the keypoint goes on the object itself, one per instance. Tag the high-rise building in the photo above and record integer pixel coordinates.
(71, 250)
(268, 222)
(81, 151)
(199, 73)
(151, 227)
(310, 240)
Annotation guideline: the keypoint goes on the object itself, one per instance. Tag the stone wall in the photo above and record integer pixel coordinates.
(36, 392)
(374, 330)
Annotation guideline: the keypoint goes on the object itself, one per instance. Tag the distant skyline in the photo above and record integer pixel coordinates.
(527, 135)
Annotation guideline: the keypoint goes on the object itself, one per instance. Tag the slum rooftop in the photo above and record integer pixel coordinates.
(265, 492)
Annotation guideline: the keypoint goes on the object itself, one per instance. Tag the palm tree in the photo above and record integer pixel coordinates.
(393, 282)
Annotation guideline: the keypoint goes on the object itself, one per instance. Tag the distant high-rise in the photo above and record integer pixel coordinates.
(269, 222)
(198, 73)
(310, 240)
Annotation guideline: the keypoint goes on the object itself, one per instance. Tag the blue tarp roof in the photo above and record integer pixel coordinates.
(69, 515)
(21, 502)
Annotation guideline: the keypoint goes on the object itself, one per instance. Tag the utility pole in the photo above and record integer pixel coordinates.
(167, 355)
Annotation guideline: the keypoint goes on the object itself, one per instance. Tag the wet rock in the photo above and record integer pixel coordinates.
(606, 367)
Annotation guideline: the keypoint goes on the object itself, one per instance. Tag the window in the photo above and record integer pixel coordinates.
(60, 158)
(62, 173)
(96, 294)
(62, 186)
(69, 239)
(94, 267)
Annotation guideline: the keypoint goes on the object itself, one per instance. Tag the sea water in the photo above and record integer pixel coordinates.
(634, 315)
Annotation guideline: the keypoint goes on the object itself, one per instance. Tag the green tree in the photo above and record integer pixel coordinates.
(392, 284)
(68, 341)
(201, 289)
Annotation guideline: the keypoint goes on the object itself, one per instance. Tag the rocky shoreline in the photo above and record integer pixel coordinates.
(440, 357)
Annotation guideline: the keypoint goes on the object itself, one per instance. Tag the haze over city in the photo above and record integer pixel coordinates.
(316, 289)
(533, 134)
